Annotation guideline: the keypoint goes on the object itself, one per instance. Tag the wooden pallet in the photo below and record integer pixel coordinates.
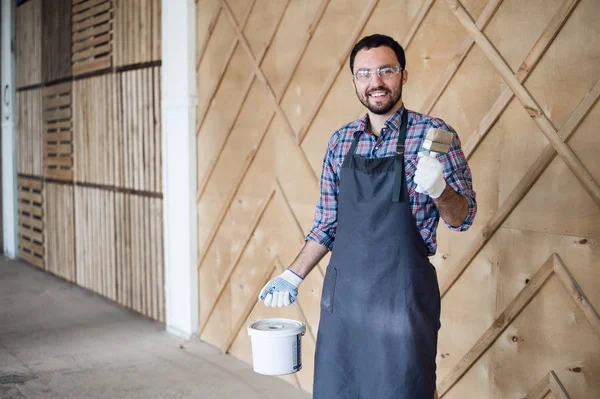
(58, 132)
(31, 221)
(92, 36)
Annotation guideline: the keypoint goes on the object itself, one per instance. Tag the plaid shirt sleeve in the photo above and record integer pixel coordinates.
(325, 220)
(458, 175)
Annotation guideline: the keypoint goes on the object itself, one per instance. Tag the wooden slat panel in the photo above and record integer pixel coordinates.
(58, 101)
(141, 130)
(65, 125)
(28, 257)
(138, 271)
(29, 132)
(31, 210)
(56, 114)
(56, 42)
(30, 197)
(58, 136)
(92, 52)
(94, 123)
(82, 15)
(95, 53)
(60, 229)
(98, 32)
(34, 223)
(31, 221)
(82, 45)
(83, 5)
(91, 66)
(91, 22)
(136, 31)
(28, 44)
(95, 226)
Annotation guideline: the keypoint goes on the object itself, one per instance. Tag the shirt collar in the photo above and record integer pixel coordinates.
(393, 123)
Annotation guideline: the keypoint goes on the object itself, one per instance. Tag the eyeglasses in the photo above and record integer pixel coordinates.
(384, 72)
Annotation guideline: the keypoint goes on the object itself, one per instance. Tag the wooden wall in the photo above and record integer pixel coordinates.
(518, 80)
(89, 164)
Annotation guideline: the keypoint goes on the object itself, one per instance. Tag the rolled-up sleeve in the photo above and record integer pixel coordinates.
(325, 220)
(458, 176)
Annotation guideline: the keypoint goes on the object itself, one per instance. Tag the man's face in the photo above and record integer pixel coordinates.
(377, 94)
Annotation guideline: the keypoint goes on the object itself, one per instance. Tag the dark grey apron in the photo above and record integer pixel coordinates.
(380, 307)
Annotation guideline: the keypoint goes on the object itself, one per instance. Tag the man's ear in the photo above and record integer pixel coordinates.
(404, 76)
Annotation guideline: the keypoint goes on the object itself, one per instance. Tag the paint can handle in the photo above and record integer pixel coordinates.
(298, 309)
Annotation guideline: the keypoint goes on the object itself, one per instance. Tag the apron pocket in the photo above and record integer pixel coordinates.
(328, 289)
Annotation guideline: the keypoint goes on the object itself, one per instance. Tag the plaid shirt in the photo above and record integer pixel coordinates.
(455, 169)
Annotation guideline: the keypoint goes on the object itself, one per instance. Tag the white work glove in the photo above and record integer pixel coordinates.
(282, 290)
(429, 177)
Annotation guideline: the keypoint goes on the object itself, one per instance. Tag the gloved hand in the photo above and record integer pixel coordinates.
(282, 290)
(429, 177)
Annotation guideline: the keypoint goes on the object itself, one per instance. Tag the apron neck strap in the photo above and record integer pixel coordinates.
(399, 161)
(354, 144)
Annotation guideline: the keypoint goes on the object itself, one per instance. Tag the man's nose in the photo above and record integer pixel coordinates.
(376, 80)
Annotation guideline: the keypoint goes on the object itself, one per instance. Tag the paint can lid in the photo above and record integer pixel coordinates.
(276, 327)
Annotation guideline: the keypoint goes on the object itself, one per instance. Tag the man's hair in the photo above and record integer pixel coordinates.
(378, 40)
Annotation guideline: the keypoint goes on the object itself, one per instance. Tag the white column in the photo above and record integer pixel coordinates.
(179, 101)
(9, 156)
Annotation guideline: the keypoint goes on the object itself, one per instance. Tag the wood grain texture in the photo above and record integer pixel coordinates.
(137, 31)
(56, 42)
(30, 206)
(530, 105)
(30, 137)
(92, 37)
(28, 44)
(58, 132)
(519, 192)
(60, 230)
(253, 114)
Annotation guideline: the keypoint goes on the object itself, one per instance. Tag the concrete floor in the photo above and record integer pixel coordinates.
(58, 340)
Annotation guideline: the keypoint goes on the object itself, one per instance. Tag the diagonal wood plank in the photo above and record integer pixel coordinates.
(231, 196)
(532, 108)
(549, 384)
(241, 322)
(261, 76)
(524, 185)
(231, 269)
(554, 265)
(211, 28)
(556, 387)
(513, 309)
(423, 11)
(251, 156)
(281, 268)
(535, 55)
(246, 90)
(287, 209)
(464, 49)
(335, 71)
(308, 328)
(307, 38)
(234, 45)
(577, 294)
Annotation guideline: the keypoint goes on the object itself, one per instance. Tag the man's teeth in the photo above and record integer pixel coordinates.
(378, 94)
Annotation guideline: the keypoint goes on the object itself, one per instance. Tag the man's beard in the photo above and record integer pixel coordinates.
(377, 107)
